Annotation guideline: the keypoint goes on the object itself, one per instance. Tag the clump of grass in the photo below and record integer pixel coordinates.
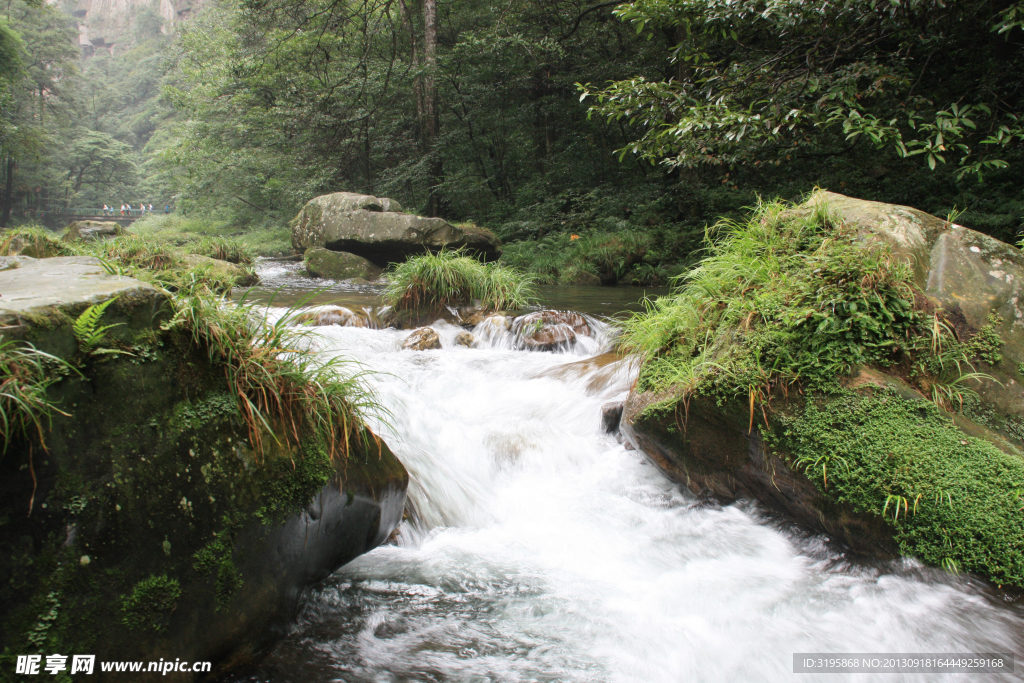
(283, 390)
(33, 241)
(25, 375)
(232, 250)
(180, 230)
(787, 296)
(133, 250)
(449, 278)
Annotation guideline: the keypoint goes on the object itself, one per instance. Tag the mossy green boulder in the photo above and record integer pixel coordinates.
(339, 265)
(854, 365)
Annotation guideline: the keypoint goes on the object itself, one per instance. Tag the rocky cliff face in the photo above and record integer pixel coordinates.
(103, 23)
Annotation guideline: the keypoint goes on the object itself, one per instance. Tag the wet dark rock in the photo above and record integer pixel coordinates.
(611, 415)
(549, 330)
(423, 339)
(465, 339)
(153, 520)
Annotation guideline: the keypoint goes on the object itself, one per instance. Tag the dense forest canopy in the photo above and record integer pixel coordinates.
(536, 118)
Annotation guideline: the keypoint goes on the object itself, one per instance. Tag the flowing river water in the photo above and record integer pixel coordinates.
(539, 548)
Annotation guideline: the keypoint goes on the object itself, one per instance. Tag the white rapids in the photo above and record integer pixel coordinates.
(539, 549)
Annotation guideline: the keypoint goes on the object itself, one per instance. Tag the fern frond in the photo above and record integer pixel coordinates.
(86, 327)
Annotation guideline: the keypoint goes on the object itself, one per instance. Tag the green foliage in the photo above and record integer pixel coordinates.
(791, 296)
(215, 236)
(25, 375)
(218, 555)
(951, 499)
(223, 248)
(448, 279)
(88, 332)
(150, 603)
(560, 257)
(281, 389)
(33, 241)
(760, 81)
(132, 250)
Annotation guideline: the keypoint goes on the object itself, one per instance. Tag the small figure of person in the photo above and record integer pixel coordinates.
(167, 208)
(151, 207)
(104, 209)
(122, 209)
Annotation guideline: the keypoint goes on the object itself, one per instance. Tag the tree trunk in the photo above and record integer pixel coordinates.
(5, 217)
(436, 173)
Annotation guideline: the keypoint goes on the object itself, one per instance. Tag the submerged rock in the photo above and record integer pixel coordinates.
(374, 229)
(549, 330)
(334, 315)
(149, 517)
(423, 339)
(339, 265)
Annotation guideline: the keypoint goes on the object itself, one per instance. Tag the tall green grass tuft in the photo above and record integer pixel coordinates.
(449, 278)
(787, 296)
(25, 375)
(283, 390)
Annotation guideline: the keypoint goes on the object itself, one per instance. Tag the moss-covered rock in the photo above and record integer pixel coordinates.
(240, 275)
(339, 265)
(853, 365)
(149, 527)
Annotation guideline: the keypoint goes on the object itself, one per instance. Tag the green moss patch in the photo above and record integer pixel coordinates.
(952, 500)
(150, 603)
(790, 303)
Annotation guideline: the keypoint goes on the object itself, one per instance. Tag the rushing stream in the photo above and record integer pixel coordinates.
(540, 549)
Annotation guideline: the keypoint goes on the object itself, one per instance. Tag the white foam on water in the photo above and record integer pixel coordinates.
(542, 550)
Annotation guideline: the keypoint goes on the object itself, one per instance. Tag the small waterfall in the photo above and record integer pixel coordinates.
(539, 549)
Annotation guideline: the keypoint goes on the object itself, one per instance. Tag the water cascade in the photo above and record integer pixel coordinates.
(538, 548)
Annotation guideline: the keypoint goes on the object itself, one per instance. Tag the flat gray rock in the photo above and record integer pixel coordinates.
(65, 282)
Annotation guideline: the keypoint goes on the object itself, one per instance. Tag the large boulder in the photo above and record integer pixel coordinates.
(976, 279)
(372, 228)
(149, 526)
(89, 231)
(339, 265)
(898, 466)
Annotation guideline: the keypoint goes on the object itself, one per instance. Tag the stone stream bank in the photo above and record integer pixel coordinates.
(147, 527)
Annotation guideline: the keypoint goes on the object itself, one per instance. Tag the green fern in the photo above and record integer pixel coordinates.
(88, 332)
